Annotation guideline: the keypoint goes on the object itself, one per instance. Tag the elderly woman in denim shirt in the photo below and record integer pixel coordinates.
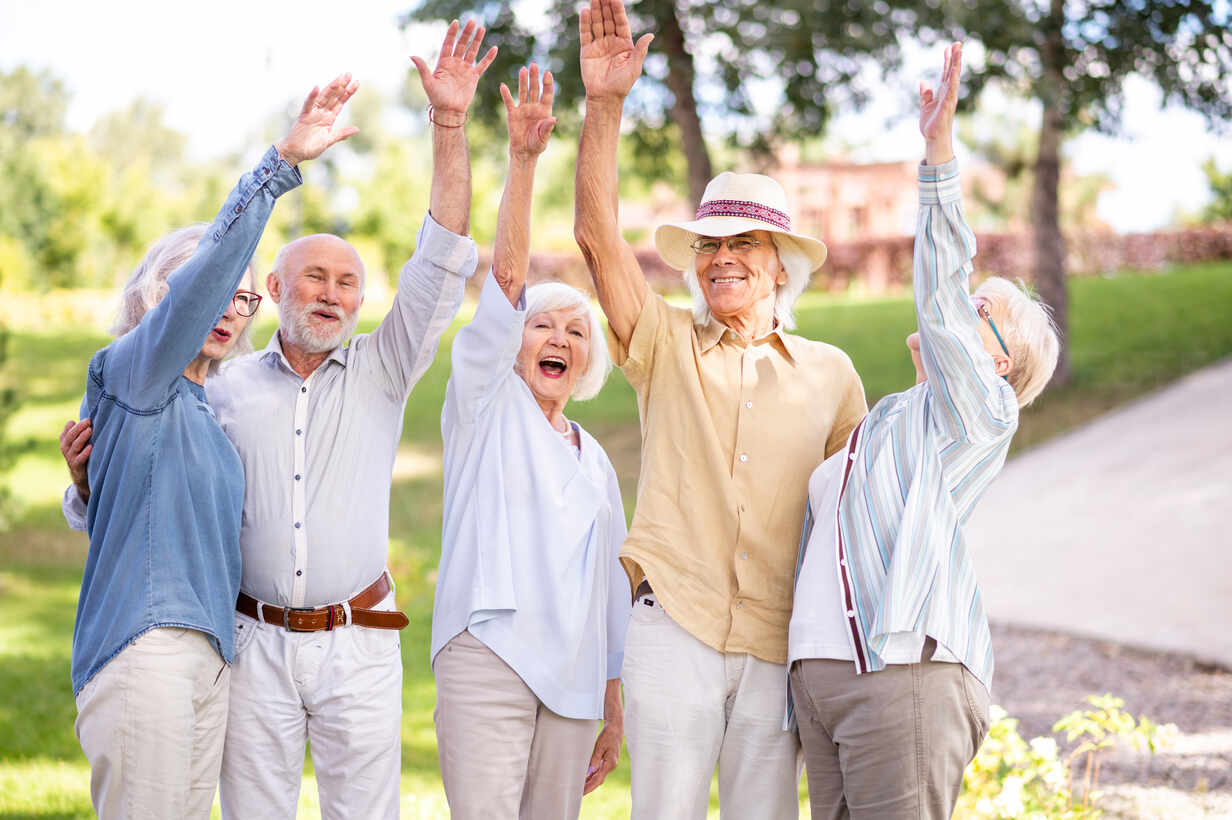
(531, 605)
(154, 630)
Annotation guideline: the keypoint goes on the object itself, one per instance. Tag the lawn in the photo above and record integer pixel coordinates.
(1131, 333)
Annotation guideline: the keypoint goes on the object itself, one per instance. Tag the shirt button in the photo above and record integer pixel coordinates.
(297, 476)
(299, 572)
(744, 457)
(239, 208)
(297, 525)
(303, 390)
(299, 432)
(842, 562)
(744, 555)
(851, 456)
(851, 613)
(748, 404)
(739, 604)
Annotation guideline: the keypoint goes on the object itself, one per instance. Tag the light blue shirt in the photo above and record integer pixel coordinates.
(532, 528)
(166, 484)
(920, 461)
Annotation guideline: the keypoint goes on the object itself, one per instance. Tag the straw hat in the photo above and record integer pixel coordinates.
(734, 204)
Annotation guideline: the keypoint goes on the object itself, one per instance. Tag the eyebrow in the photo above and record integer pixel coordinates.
(320, 269)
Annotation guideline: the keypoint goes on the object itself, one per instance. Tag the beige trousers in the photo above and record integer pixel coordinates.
(503, 753)
(151, 723)
(888, 745)
(688, 708)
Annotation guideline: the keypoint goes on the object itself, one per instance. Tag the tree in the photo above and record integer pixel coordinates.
(1220, 207)
(813, 49)
(1073, 57)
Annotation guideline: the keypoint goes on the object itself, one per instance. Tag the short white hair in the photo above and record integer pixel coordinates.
(796, 265)
(558, 296)
(147, 284)
(1029, 333)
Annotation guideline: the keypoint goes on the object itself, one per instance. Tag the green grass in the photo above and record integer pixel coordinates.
(1130, 334)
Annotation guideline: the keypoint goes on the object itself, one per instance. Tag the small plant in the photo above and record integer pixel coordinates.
(1013, 778)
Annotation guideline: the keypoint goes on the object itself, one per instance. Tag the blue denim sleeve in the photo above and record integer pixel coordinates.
(143, 365)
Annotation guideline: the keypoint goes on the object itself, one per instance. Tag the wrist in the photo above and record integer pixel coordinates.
(286, 154)
(447, 117)
(938, 152)
(605, 102)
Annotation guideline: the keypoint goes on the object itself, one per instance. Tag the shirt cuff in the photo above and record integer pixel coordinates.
(939, 184)
(282, 175)
(73, 508)
(446, 249)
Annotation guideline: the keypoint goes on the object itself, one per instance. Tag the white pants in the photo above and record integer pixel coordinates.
(342, 692)
(151, 724)
(689, 707)
(503, 753)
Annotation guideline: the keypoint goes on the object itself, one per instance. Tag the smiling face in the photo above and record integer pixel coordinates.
(554, 355)
(318, 286)
(222, 337)
(738, 287)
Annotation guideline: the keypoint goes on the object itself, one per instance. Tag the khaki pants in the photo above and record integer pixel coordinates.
(888, 745)
(690, 708)
(151, 724)
(503, 753)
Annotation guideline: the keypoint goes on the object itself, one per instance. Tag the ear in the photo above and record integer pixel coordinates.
(1002, 364)
(273, 286)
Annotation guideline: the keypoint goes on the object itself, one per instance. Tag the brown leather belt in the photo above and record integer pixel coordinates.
(323, 619)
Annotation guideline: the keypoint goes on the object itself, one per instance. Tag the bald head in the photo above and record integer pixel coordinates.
(298, 253)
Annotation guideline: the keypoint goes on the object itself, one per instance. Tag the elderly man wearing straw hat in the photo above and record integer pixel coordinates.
(735, 414)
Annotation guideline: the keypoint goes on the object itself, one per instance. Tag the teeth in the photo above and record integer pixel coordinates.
(726, 280)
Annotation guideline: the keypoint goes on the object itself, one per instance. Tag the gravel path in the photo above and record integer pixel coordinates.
(1042, 675)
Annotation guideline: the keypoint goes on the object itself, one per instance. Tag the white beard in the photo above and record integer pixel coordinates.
(297, 328)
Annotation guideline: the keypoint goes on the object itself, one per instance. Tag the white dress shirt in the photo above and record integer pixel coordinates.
(531, 529)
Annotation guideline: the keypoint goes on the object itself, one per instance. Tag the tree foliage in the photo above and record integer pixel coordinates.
(1220, 207)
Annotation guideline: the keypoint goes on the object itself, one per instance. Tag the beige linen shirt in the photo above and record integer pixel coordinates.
(730, 433)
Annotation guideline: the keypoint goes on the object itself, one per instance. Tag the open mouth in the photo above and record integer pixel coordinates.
(325, 316)
(219, 334)
(553, 366)
(721, 281)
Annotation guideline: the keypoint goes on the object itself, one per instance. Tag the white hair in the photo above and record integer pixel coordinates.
(147, 284)
(1029, 333)
(796, 265)
(557, 296)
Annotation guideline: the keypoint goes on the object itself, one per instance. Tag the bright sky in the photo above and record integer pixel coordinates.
(222, 67)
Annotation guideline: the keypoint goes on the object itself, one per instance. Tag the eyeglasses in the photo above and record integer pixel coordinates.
(983, 309)
(246, 302)
(739, 245)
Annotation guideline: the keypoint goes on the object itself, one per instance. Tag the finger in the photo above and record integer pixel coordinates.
(620, 21)
(508, 98)
(544, 130)
(549, 90)
(596, 19)
(609, 19)
(345, 133)
(64, 434)
(584, 34)
(464, 40)
(79, 441)
(309, 101)
(82, 458)
(422, 68)
(472, 51)
(451, 35)
(524, 84)
(643, 45)
(487, 60)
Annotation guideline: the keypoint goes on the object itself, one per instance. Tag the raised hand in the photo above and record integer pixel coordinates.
(530, 117)
(316, 128)
(937, 108)
(611, 61)
(451, 85)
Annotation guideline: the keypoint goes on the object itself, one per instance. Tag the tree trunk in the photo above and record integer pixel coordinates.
(1045, 203)
(669, 39)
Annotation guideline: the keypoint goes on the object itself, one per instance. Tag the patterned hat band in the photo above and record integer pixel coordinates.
(745, 209)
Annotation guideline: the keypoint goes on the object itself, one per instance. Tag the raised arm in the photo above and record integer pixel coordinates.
(611, 62)
(450, 88)
(972, 402)
(144, 362)
(530, 123)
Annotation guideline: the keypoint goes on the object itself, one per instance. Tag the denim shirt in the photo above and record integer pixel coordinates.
(166, 484)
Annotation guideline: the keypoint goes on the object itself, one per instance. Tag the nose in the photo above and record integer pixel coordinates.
(724, 255)
(329, 293)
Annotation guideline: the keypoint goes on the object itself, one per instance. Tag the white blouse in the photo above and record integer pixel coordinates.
(532, 528)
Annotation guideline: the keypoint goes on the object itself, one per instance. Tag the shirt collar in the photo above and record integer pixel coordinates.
(711, 333)
(273, 352)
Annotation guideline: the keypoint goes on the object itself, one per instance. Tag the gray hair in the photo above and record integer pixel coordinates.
(557, 296)
(147, 285)
(795, 263)
(1029, 333)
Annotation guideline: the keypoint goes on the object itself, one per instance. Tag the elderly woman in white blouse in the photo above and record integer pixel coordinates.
(531, 606)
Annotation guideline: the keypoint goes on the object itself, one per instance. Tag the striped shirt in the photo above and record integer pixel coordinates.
(919, 462)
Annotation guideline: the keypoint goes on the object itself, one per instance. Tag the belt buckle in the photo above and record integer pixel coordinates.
(286, 617)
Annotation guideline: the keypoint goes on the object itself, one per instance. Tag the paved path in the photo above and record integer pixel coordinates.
(1121, 529)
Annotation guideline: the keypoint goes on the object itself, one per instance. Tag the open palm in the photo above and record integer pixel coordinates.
(937, 108)
(451, 85)
(611, 62)
(530, 116)
(316, 128)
